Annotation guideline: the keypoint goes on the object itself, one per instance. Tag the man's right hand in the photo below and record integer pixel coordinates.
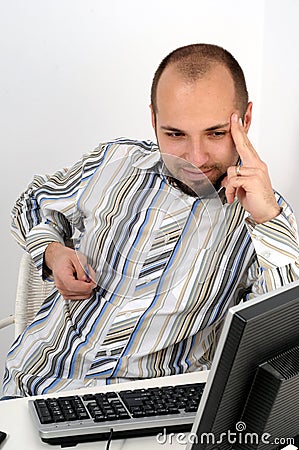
(67, 266)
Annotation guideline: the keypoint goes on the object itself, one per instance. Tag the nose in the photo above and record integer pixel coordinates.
(196, 153)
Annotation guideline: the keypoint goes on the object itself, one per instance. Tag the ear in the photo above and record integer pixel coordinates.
(153, 117)
(247, 117)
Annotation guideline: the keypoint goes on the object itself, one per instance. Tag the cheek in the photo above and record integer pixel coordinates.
(223, 151)
(171, 147)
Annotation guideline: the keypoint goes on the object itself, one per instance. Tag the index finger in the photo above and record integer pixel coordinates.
(243, 145)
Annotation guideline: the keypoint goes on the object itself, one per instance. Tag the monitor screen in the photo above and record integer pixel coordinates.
(253, 332)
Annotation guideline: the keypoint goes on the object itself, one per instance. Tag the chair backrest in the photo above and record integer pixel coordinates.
(30, 294)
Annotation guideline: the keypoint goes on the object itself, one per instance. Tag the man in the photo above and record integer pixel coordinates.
(149, 245)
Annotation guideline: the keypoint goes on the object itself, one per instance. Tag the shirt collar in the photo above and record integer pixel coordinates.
(146, 160)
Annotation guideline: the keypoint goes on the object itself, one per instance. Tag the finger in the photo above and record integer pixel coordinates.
(74, 297)
(249, 180)
(239, 178)
(243, 145)
(78, 296)
(76, 290)
(254, 173)
(224, 181)
(230, 193)
(81, 267)
(230, 189)
(235, 171)
(91, 275)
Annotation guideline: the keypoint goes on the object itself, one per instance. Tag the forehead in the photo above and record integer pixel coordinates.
(210, 95)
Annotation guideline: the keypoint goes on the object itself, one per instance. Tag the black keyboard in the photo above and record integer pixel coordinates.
(68, 420)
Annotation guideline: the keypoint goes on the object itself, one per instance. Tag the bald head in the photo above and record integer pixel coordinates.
(194, 62)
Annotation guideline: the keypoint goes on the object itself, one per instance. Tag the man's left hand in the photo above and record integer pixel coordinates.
(250, 182)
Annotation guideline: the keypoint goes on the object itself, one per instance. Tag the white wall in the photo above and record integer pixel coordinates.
(278, 140)
(77, 72)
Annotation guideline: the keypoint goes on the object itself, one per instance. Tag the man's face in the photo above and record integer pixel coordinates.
(192, 125)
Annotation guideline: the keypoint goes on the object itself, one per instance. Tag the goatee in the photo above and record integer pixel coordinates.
(198, 191)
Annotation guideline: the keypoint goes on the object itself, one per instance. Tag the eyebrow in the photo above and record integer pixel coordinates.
(213, 128)
(166, 128)
(216, 127)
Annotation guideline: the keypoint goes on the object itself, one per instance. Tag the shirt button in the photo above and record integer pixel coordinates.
(108, 352)
(266, 255)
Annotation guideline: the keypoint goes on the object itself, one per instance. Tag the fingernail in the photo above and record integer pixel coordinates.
(241, 121)
(235, 117)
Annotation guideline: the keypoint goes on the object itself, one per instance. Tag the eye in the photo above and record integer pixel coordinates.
(218, 134)
(174, 134)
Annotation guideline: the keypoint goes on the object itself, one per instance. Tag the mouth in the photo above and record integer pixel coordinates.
(196, 175)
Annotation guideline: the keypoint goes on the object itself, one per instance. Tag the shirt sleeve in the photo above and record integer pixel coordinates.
(277, 249)
(48, 210)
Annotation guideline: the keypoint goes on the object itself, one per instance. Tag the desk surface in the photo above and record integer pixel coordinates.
(16, 421)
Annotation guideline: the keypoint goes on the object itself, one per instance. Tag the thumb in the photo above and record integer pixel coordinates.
(80, 265)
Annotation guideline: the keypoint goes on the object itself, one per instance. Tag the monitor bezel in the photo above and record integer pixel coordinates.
(246, 310)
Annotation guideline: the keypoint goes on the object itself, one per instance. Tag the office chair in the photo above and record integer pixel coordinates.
(31, 292)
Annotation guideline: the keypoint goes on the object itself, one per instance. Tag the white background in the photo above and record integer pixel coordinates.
(77, 72)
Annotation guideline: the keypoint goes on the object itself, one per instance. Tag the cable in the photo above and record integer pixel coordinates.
(109, 439)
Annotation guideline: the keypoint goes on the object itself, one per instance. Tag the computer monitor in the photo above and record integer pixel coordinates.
(254, 332)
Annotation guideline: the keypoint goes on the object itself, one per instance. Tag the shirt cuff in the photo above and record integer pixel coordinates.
(275, 241)
(37, 241)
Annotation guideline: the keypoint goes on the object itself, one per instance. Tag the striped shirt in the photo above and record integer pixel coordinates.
(168, 266)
